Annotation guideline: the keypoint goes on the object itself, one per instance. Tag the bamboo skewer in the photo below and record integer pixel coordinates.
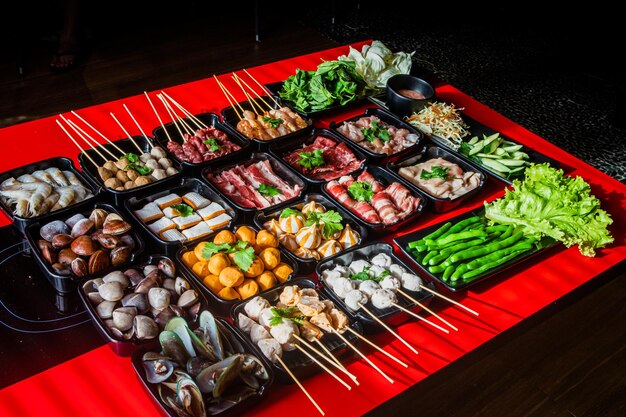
(76, 143)
(456, 303)
(184, 124)
(417, 316)
(95, 149)
(446, 322)
(324, 367)
(98, 132)
(269, 93)
(253, 104)
(254, 92)
(299, 384)
(378, 348)
(198, 122)
(169, 139)
(75, 126)
(180, 132)
(332, 357)
(138, 126)
(330, 361)
(389, 329)
(126, 132)
(365, 358)
(231, 99)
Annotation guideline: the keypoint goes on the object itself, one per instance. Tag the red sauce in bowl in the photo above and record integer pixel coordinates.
(412, 94)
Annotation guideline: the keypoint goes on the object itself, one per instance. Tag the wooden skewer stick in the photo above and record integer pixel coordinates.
(365, 358)
(428, 310)
(456, 303)
(331, 356)
(98, 132)
(378, 348)
(389, 329)
(126, 133)
(324, 367)
(138, 126)
(230, 97)
(75, 126)
(95, 149)
(339, 367)
(417, 316)
(184, 124)
(269, 93)
(299, 384)
(253, 104)
(193, 118)
(169, 139)
(180, 132)
(76, 143)
(269, 106)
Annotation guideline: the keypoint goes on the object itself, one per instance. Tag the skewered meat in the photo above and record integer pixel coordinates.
(411, 282)
(390, 283)
(336, 159)
(258, 332)
(377, 136)
(271, 124)
(355, 298)
(194, 148)
(369, 287)
(441, 178)
(323, 321)
(290, 295)
(310, 332)
(254, 306)
(382, 259)
(270, 348)
(310, 306)
(340, 320)
(245, 323)
(382, 299)
(284, 332)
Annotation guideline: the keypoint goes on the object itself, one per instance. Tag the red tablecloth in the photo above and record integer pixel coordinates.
(99, 383)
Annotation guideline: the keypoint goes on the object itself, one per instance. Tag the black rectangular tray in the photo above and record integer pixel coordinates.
(230, 117)
(236, 410)
(127, 347)
(391, 316)
(64, 164)
(440, 205)
(298, 363)
(403, 241)
(209, 119)
(184, 186)
(218, 306)
(307, 265)
(68, 283)
(386, 117)
(114, 196)
(282, 149)
(385, 178)
(280, 168)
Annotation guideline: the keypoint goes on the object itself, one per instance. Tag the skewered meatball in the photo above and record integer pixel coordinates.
(290, 295)
(159, 174)
(270, 348)
(368, 287)
(382, 259)
(355, 298)
(253, 307)
(384, 299)
(331, 276)
(245, 322)
(165, 163)
(265, 316)
(158, 152)
(411, 282)
(145, 157)
(376, 271)
(359, 266)
(343, 286)
(309, 331)
(396, 270)
(340, 320)
(310, 306)
(323, 321)
(390, 283)
(171, 171)
(285, 331)
(258, 332)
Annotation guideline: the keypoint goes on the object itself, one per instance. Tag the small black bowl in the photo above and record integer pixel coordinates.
(402, 105)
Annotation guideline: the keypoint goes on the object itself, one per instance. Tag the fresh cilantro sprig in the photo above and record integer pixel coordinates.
(289, 313)
(330, 220)
(312, 159)
(291, 211)
(376, 131)
(365, 276)
(436, 172)
(135, 163)
(183, 210)
(213, 144)
(361, 191)
(272, 122)
(244, 253)
(267, 190)
(211, 249)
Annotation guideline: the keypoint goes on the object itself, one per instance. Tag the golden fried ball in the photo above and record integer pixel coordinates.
(266, 280)
(282, 272)
(218, 262)
(198, 251)
(255, 269)
(190, 258)
(270, 257)
(201, 269)
(266, 239)
(247, 234)
(228, 293)
(248, 289)
(225, 236)
(213, 283)
(231, 277)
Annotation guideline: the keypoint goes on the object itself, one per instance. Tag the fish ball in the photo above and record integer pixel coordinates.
(359, 266)
(254, 307)
(258, 332)
(411, 282)
(369, 287)
(343, 286)
(382, 299)
(355, 298)
(390, 283)
(382, 259)
(270, 348)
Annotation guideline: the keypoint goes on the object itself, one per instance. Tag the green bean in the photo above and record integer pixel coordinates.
(438, 232)
(487, 249)
(460, 270)
(497, 228)
(436, 269)
(449, 270)
(428, 256)
(486, 267)
(494, 256)
(421, 248)
(509, 231)
(462, 236)
(461, 226)
(462, 247)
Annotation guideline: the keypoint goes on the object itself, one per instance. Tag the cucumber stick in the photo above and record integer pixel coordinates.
(503, 157)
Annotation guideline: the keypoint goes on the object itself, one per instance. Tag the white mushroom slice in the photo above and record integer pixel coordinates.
(382, 259)
(253, 307)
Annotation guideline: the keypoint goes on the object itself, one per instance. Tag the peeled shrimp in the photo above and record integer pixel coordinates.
(45, 177)
(58, 176)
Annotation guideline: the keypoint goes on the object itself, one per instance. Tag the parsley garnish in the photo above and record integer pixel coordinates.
(267, 190)
(384, 274)
(289, 313)
(272, 122)
(365, 276)
(437, 172)
(289, 211)
(376, 131)
(135, 163)
(183, 209)
(244, 253)
(331, 221)
(361, 191)
(213, 144)
(244, 258)
(312, 159)
(211, 249)
(131, 157)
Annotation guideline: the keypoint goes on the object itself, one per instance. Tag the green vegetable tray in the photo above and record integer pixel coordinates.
(403, 241)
